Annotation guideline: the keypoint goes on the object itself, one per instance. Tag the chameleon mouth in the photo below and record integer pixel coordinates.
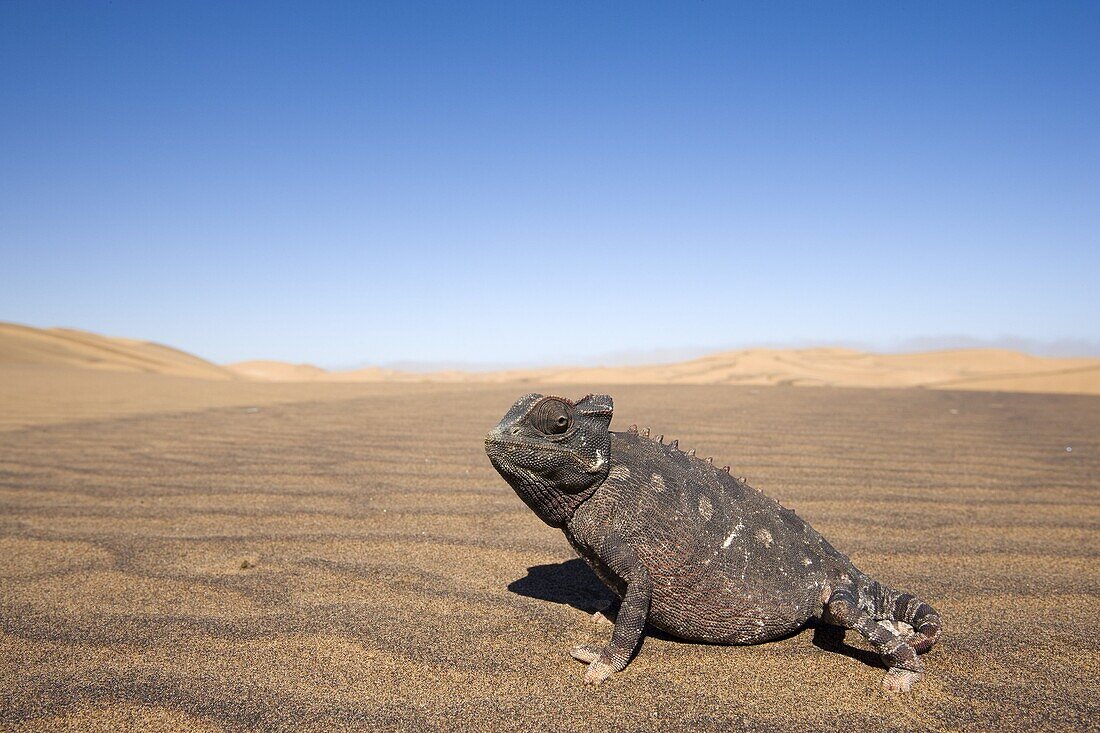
(501, 442)
(505, 444)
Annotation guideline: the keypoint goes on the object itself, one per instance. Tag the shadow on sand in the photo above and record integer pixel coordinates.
(831, 639)
(572, 583)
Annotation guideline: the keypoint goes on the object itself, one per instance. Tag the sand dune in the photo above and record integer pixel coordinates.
(973, 369)
(977, 369)
(969, 369)
(64, 347)
(281, 371)
(277, 371)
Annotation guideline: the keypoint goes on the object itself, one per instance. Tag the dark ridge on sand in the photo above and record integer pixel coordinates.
(354, 563)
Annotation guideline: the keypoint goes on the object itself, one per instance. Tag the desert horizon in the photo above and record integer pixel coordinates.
(973, 369)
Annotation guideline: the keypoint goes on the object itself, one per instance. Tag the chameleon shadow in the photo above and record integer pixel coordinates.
(830, 638)
(570, 583)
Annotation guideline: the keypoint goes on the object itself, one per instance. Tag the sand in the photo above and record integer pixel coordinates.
(32, 395)
(184, 554)
(961, 369)
(66, 347)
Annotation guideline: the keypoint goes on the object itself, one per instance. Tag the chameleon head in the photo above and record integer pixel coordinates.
(554, 452)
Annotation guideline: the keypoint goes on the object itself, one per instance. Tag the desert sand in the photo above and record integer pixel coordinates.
(66, 347)
(274, 546)
(967, 369)
(196, 554)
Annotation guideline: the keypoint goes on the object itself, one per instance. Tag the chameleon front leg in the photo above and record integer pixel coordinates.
(629, 624)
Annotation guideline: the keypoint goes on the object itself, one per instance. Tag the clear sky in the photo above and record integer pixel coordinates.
(352, 183)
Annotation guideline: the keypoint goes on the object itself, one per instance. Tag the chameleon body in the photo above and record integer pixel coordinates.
(690, 549)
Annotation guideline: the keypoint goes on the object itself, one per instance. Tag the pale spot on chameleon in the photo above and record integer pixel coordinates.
(620, 472)
(706, 509)
(657, 481)
(600, 460)
(764, 536)
(734, 533)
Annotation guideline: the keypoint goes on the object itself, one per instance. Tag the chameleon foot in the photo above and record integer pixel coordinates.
(598, 670)
(900, 680)
(586, 653)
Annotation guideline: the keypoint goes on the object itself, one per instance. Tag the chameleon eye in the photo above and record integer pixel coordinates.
(552, 416)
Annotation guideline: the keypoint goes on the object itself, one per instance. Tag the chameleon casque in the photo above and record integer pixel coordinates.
(690, 549)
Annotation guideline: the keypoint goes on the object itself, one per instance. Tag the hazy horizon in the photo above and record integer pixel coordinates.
(669, 355)
(494, 184)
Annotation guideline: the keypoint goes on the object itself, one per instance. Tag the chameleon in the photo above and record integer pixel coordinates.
(688, 548)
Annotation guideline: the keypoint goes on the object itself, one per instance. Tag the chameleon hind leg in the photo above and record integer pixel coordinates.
(904, 667)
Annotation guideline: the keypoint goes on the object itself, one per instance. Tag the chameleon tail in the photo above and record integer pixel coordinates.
(901, 606)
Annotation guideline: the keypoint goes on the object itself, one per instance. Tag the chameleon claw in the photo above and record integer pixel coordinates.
(586, 653)
(597, 672)
(899, 680)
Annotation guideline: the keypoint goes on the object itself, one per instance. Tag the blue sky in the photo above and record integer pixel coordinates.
(368, 183)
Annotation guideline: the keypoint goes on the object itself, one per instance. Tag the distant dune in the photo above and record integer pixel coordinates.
(277, 371)
(63, 347)
(280, 371)
(973, 369)
(976, 369)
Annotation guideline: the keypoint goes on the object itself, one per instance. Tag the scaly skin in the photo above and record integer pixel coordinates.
(688, 548)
